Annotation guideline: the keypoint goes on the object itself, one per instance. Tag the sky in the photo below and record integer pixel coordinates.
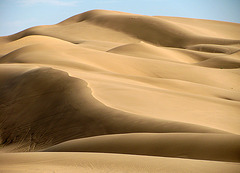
(17, 15)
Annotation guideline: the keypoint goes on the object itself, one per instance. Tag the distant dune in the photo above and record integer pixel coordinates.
(107, 91)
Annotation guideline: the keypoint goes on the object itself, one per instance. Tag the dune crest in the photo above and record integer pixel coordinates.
(118, 88)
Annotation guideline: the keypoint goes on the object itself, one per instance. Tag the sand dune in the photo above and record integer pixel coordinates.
(54, 99)
(150, 29)
(219, 147)
(113, 82)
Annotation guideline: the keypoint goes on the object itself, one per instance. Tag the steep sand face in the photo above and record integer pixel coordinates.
(64, 106)
(113, 82)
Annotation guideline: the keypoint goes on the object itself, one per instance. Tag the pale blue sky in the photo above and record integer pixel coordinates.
(16, 15)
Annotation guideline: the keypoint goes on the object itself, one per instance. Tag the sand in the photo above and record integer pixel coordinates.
(107, 91)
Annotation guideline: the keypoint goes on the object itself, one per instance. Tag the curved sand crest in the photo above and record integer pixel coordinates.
(183, 145)
(149, 29)
(66, 109)
(156, 30)
(104, 70)
(137, 85)
(229, 61)
(145, 50)
(103, 162)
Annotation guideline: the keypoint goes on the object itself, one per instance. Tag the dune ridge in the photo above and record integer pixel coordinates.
(220, 147)
(67, 108)
(121, 88)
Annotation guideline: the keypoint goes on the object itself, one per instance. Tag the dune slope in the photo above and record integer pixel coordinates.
(103, 162)
(195, 146)
(64, 106)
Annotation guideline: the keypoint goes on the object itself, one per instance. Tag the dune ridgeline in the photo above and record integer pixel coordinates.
(106, 91)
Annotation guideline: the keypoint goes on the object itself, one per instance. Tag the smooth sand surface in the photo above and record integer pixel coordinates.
(107, 91)
(102, 162)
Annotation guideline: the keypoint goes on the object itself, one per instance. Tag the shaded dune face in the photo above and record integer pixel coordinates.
(108, 82)
(219, 147)
(37, 106)
(149, 29)
(43, 107)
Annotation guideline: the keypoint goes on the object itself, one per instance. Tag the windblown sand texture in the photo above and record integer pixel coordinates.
(107, 91)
